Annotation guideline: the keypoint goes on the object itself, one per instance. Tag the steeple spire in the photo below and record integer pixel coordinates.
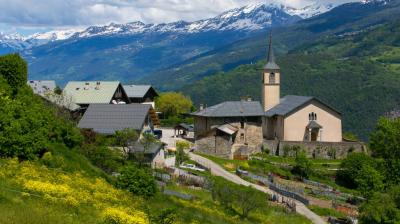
(270, 57)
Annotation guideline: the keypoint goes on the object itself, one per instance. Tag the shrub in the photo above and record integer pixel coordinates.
(303, 166)
(138, 181)
(181, 156)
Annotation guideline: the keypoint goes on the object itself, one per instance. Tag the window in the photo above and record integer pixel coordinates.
(312, 116)
(242, 137)
(242, 124)
(272, 78)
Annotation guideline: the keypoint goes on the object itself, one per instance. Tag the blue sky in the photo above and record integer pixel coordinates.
(30, 16)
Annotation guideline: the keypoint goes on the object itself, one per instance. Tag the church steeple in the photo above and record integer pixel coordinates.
(271, 57)
(271, 80)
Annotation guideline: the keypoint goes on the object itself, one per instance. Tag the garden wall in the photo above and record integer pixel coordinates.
(317, 150)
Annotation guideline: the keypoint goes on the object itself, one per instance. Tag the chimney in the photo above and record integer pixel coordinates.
(201, 107)
(249, 99)
(97, 86)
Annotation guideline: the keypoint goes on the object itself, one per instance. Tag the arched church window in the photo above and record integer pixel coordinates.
(312, 116)
(272, 78)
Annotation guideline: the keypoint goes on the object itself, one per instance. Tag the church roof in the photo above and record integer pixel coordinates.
(271, 64)
(291, 103)
(233, 109)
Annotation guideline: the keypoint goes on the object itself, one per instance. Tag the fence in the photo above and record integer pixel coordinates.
(178, 194)
(297, 194)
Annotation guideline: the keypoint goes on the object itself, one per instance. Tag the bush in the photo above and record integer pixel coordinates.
(138, 181)
(382, 207)
(303, 166)
(181, 156)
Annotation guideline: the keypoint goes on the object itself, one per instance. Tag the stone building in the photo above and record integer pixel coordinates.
(229, 129)
(240, 128)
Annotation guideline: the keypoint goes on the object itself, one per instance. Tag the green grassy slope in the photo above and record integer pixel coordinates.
(357, 73)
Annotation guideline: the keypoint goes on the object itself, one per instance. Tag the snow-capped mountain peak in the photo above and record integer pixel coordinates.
(252, 17)
(54, 35)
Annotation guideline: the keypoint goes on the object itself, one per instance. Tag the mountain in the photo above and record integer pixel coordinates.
(347, 18)
(355, 71)
(130, 51)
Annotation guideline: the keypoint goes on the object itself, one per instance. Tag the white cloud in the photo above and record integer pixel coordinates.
(63, 13)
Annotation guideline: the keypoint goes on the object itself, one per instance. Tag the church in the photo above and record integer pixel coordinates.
(240, 128)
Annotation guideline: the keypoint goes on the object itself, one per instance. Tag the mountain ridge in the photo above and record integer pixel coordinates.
(218, 22)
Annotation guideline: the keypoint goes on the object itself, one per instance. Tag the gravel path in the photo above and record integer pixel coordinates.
(219, 171)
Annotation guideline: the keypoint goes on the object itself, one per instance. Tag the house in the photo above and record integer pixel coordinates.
(141, 94)
(155, 153)
(42, 87)
(184, 130)
(80, 95)
(106, 119)
(229, 129)
(239, 128)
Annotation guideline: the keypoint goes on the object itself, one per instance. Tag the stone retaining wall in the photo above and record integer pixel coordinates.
(317, 150)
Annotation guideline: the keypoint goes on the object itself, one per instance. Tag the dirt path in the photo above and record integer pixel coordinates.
(219, 171)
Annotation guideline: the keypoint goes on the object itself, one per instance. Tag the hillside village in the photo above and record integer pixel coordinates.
(274, 146)
(240, 130)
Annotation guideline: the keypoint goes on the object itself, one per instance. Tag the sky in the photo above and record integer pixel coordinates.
(30, 16)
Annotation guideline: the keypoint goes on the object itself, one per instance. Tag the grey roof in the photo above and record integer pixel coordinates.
(42, 87)
(291, 103)
(271, 65)
(108, 118)
(154, 147)
(228, 129)
(137, 91)
(287, 104)
(188, 127)
(313, 124)
(233, 109)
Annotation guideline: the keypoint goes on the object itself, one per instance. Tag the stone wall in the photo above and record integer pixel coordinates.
(317, 150)
(214, 145)
(248, 140)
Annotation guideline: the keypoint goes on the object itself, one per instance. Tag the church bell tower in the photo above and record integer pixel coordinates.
(271, 80)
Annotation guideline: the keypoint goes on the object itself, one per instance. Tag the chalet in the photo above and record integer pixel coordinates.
(106, 119)
(42, 87)
(79, 95)
(141, 94)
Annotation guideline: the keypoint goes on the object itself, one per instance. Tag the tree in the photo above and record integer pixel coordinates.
(303, 166)
(14, 69)
(181, 156)
(382, 207)
(223, 192)
(232, 196)
(138, 181)
(350, 168)
(385, 144)
(249, 199)
(173, 104)
(124, 139)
